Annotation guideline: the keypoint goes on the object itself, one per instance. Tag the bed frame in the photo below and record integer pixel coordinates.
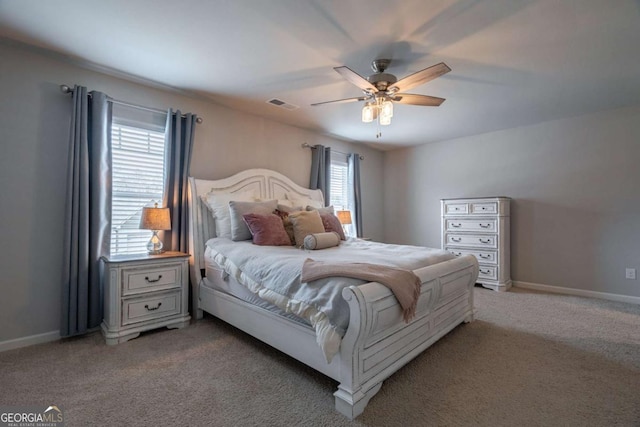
(377, 342)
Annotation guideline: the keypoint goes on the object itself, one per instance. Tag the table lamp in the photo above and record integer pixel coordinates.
(345, 218)
(155, 219)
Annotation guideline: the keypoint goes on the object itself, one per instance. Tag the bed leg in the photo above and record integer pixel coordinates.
(470, 317)
(352, 404)
(199, 314)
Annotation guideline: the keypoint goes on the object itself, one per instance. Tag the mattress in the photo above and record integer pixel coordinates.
(216, 279)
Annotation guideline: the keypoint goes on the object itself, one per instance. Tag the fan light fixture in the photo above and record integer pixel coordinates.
(381, 90)
(380, 108)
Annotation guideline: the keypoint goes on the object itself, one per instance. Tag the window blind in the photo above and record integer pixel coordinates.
(138, 181)
(339, 185)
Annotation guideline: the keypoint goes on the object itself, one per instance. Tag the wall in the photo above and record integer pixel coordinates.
(575, 185)
(34, 121)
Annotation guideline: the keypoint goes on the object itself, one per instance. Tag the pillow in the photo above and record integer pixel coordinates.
(321, 240)
(305, 223)
(237, 209)
(218, 204)
(285, 202)
(299, 200)
(267, 230)
(332, 223)
(286, 222)
(328, 209)
(288, 209)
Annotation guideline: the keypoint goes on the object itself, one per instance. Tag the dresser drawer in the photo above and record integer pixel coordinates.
(488, 272)
(471, 225)
(148, 279)
(472, 240)
(484, 257)
(484, 208)
(152, 307)
(456, 208)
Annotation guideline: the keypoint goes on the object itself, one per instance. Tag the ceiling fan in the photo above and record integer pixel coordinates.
(382, 89)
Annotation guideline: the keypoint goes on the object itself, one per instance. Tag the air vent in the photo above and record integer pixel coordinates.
(282, 104)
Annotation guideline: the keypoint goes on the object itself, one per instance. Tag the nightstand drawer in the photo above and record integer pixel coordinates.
(138, 280)
(488, 225)
(486, 272)
(141, 309)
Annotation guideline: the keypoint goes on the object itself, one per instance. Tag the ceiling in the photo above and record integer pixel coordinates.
(514, 62)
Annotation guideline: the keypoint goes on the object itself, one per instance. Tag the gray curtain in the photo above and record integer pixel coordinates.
(356, 193)
(179, 145)
(321, 171)
(88, 211)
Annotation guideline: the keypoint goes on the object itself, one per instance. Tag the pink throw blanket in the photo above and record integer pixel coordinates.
(404, 284)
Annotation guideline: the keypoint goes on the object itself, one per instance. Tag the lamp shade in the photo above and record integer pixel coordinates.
(155, 219)
(344, 217)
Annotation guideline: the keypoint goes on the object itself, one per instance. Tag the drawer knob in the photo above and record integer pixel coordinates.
(453, 239)
(485, 225)
(484, 256)
(485, 240)
(485, 271)
(152, 308)
(153, 280)
(456, 225)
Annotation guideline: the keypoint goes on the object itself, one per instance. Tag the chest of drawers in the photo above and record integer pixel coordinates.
(480, 227)
(144, 292)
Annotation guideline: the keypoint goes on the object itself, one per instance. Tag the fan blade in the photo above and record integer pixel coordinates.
(420, 77)
(356, 79)
(411, 99)
(341, 101)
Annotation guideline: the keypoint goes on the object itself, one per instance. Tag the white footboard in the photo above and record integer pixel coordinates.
(378, 342)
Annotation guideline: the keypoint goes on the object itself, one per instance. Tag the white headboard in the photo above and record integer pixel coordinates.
(269, 184)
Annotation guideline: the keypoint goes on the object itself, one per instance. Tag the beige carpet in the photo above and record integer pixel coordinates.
(530, 359)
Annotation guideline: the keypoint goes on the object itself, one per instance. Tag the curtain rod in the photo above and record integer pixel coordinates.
(68, 89)
(305, 145)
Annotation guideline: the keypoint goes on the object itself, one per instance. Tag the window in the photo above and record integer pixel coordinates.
(339, 189)
(138, 150)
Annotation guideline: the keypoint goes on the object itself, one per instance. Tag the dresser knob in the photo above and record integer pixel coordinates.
(153, 280)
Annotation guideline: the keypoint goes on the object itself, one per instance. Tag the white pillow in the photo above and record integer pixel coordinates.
(298, 200)
(218, 204)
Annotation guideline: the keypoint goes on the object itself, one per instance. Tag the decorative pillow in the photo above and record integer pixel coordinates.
(321, 240)
(237, 209)
(285, 202)
(299, 200)
(218, 204)
(305, 223)
(267, 230)
(332, 223)
(328, 209)
(289, 209)
(286, 223)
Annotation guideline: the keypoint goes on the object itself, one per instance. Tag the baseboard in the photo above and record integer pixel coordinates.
(30, 340)
(577, 292)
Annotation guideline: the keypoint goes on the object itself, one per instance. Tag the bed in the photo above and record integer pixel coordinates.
(377, 341)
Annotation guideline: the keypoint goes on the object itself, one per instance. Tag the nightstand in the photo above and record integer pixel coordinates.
(143, 292)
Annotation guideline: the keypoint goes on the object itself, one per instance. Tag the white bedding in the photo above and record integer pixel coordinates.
(273, 274)
(213, 280)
